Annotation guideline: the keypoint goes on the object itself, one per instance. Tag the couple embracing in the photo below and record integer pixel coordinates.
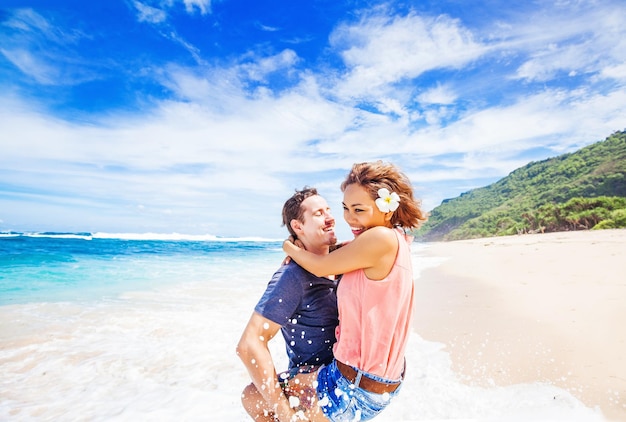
(345, 338)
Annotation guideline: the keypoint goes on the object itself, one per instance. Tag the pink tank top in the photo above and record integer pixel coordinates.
(375, 317)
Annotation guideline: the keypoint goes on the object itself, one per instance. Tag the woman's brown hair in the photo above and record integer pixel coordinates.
(376, 175)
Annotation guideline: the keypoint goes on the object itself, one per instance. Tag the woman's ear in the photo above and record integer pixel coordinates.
(388, 215)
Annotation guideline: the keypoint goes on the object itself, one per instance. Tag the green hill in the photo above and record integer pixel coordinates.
(580, 190)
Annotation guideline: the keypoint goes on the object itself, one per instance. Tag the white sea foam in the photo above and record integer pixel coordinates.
(139, 236)
(179, 236)
(169, 354)
(83, 236)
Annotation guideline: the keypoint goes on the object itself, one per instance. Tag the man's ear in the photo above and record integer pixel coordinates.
(296, 226)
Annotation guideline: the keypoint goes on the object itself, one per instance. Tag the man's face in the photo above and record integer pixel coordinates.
(318, 228)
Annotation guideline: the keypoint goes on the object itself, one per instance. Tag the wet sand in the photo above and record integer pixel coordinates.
(533, 308)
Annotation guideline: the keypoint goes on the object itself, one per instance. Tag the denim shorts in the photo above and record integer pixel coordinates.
(341, 401)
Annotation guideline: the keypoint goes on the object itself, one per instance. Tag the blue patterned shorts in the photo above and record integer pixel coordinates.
(341, 401)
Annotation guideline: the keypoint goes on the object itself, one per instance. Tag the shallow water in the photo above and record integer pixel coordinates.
(150, 334)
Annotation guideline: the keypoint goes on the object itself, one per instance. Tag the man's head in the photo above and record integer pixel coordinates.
(308, 218)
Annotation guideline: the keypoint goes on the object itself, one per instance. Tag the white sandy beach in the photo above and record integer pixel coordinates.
(533, 308)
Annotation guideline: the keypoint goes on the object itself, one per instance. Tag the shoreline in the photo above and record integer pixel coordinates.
(532, 308)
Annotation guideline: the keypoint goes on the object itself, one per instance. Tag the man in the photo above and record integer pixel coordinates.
(301, 305)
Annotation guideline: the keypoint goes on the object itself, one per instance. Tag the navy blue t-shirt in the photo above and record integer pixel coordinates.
(305, 306)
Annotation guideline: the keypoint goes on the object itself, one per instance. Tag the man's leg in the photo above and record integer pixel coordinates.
(255, 405)
(303, 387)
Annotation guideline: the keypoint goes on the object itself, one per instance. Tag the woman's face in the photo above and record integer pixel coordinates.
(360, 210)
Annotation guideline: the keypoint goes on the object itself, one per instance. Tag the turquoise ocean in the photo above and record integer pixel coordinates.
(38, 267)
(101, 326)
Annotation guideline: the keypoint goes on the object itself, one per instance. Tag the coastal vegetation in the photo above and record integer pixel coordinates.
(582, 190)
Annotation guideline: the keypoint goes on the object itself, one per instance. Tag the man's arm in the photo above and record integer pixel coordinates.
(254, 352)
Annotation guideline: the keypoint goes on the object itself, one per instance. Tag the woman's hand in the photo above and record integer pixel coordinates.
(291, 243)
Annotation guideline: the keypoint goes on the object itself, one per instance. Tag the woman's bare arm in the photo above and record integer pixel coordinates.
(370, 249)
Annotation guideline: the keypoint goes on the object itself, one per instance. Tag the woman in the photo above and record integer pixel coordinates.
(375, 298)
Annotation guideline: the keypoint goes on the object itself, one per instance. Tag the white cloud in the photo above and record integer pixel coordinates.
(193, 50)
(380, 50)
(581, 38)
(203, 6)
(258, 69)
(32, 65)
(31, 23)
(438, 95)
(43, 51)
(267, 28)
(149, 14)
(617, 72)
(393, 106)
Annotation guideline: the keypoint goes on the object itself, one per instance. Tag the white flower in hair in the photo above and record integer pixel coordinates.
(387, 201)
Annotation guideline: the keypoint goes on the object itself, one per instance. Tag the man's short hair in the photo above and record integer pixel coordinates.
(292, 210)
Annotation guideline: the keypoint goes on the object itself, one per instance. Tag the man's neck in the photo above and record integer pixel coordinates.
(317, 249)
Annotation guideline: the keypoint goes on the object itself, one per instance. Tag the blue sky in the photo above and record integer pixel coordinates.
(202, 117)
